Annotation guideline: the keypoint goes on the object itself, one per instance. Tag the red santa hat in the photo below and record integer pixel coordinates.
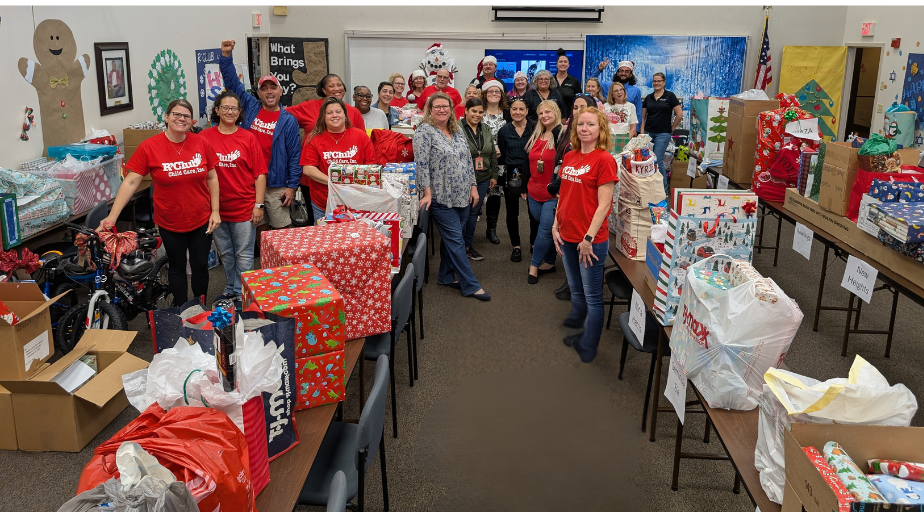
(490, 58)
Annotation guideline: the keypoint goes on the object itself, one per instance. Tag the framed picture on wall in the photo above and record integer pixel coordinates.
(114, 77)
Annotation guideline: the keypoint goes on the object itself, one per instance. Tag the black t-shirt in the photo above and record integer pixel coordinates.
(568, 88)
(659, 112)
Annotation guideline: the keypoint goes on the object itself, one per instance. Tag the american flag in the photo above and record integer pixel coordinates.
(763, 78)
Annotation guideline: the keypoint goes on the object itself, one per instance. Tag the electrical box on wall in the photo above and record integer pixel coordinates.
(257, 20)
(280, 10)
(868, 28)
(896, 42)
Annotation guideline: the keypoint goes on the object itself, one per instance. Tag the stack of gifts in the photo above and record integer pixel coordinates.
(769, 184)
(84, 184)
(901, 224)
(702, 223)
(386, 223)
(355, 258)
(405, 175)
(877, 159)
(39, 200)
(349, 174)
(303, 293)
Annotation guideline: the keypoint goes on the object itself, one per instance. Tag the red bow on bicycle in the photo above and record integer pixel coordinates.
(11, 262)
(117, 244)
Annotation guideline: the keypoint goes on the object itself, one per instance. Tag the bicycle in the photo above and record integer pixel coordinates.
(137, 285)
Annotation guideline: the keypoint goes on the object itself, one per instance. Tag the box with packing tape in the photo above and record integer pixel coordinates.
(25, 330)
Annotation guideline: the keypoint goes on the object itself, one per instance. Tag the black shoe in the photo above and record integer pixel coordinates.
(547, 270)
(571, 324)
(473, 254)
(454, 284)
(572, 340)
(483, 296)
(563, 288)
(491, 234)
(564, 295)
(516, 256)
(531, 279)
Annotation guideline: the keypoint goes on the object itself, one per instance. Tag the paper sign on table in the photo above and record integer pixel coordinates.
(637, 317)
(676, 389)
(723, 182)
(691, 168)
(859, 278)
(802, 241)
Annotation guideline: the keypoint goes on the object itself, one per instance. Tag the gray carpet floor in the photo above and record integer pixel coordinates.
(505, 417)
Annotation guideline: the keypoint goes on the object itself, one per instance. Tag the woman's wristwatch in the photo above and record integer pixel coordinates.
(260, 206)
(588, 238)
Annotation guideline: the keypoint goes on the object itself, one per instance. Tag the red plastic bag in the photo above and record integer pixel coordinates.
(863, 182)
(392, 147)
(201, 447)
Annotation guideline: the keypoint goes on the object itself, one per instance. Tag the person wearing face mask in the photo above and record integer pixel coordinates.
(625, 74)
(397, 81)
(520, 85)
(332, 141)
(373, 118)
(417, 85)
(486, 69)
(580, 229)
(567, 85)
(441, 85)
(385, 102)
(544, 88)
(277, 132)
(306, 112)
(657, 110)
(484, 159)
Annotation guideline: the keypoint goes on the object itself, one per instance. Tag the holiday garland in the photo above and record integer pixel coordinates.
(168, 82)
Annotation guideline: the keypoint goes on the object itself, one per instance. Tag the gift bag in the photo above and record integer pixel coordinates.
(360, 197)
(733, 326)
(202, 448)
(863, 398)
(633, 220)
(392, 147)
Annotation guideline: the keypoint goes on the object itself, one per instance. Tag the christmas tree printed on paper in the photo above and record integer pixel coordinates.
(718, 127)
(815, 101)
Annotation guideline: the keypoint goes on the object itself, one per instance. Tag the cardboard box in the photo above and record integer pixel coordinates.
(7, 425)
(861, 442)
(910, 156)
(841, 154)
(25, 342)
(836, 183)
(741, 138)
(846, 231)
(48, 418)
(679, 178)
(133, 138)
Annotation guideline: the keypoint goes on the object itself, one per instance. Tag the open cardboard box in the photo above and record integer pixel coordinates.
(862, 442)
(48, 418)
(26, 343)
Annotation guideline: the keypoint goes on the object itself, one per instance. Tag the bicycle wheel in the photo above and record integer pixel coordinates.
(73, 324)
(163, 298)
(62, 305)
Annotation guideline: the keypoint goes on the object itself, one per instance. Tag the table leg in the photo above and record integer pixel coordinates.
(847, 327)
(655, 397)
(779, 228)
(677, 446)
(821, 287)
(362, 378)
(708, 429)
(891, 322)
(737, 488)
(760, 231)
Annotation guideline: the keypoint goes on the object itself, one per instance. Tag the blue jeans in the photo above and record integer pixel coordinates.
(586, 284)
(660, 141)
(453, 260)
(544, 249)
(469, 235)
(319, 212)
(234, 241)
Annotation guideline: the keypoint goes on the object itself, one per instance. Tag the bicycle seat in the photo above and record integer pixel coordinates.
(75, 271)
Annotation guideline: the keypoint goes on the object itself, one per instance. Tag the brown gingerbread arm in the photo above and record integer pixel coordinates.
(31, 70)
(80, 68)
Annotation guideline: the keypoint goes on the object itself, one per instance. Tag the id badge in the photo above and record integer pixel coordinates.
(479, 163)
(540, 166)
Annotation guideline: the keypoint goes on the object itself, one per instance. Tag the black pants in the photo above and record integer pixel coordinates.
(512, 205)
(306, 197)
(198, 244)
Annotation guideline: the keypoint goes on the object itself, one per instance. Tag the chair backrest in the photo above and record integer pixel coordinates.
(419, 259)
(423, 219)
(96, 215)
(401, 299)
(372, 418)
(337, 499)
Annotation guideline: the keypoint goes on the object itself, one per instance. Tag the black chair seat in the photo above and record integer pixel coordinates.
(317, 486)
(651, 335)
(376, 345)
(618, 284)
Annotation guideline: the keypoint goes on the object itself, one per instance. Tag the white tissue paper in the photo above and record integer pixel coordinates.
(753, 94)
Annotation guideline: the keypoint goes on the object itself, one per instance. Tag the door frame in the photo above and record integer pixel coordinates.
(848, 84)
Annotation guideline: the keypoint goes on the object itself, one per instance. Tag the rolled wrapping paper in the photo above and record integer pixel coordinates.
(851, 475)
(897, 490)
(844, 498)
(224, 347)
(905, 470)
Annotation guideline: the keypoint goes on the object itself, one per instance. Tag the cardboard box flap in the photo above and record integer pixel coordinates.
(20, 292)
(33, 387)
(49, 373)
(863, 442)
(41, 298)
(102, 388)
(106, 340)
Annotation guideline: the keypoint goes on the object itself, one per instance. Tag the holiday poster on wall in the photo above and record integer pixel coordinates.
(208, 77)
(815, 74)
(913, 87)
(298, 63)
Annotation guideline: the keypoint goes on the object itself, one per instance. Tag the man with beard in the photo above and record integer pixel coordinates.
(625, 75)
(486, 70)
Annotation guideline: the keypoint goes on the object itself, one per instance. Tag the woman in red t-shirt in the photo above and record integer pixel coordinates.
(397, 81)
(333, 141)
(241, 172)
(542, 146)
(182, 169)
(588, 177)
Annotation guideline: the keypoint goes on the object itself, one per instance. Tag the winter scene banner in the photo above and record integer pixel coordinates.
(815, 74)
(694, 65)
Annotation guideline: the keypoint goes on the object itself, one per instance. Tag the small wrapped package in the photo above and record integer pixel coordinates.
(844, 498)
(851, 475)
(320, 379)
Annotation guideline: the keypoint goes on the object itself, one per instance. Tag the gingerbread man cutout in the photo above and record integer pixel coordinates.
(57, 78)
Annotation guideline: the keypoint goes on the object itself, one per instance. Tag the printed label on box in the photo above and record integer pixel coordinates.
(38, 348)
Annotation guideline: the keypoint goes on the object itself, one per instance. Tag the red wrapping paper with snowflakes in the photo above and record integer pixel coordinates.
(771, 132)
(319, 380)
(300, 292)
(355, 258)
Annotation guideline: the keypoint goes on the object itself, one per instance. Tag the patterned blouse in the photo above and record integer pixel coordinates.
(444, 165)
(495, 122)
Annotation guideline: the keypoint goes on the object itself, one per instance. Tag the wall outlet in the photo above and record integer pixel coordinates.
(879, 108)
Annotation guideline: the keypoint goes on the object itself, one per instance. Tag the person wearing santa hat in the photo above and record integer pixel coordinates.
(417, 85)
(486, 70)
(520, 85)
(625, 74)
(443, 77)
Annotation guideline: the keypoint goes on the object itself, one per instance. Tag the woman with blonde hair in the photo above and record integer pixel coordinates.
(617, 103)
(446, 176)
(580, 230)
(593, 88)
(397, 81)
(544, 88)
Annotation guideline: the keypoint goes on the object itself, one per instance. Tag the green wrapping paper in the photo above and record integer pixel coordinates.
(851, 475)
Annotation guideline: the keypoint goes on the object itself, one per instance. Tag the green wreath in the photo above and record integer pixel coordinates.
(168, 82)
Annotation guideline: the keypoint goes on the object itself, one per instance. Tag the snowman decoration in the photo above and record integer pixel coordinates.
(438, 58)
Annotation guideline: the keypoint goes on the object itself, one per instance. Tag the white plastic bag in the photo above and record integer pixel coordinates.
(362, 197)
(134, 463)
(863, 398)
(728, 336)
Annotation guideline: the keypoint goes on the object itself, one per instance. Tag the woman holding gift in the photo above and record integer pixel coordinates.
(484, 159)
(241, 183)
(657, 110)
(397, 81)
(182, 169)
(580, 230)
(544, 88)
(617, 102)
(543, 145)
(333, 141)
(446, 175)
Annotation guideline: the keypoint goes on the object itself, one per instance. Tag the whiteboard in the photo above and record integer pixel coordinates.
(373, 56)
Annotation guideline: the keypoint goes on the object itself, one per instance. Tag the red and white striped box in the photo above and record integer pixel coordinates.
(393, 221)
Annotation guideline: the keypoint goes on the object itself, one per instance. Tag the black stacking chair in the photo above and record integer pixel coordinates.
(650, 346)
(620, 287)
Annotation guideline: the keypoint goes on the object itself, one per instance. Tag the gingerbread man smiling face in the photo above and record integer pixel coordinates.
(57, 78)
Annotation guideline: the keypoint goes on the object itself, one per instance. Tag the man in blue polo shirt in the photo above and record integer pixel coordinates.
(625, 75)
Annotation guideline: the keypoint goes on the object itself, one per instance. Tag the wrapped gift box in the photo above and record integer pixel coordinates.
(771, 131)
(408, 205)
(708, 126)
(319, 379)
(355, 258)
(9, 221)
(897, 191)
(904, 221)
(409, 168)
(369, 175)
(914, 251)
(40, 200)
(302, 293)
(393, 221)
